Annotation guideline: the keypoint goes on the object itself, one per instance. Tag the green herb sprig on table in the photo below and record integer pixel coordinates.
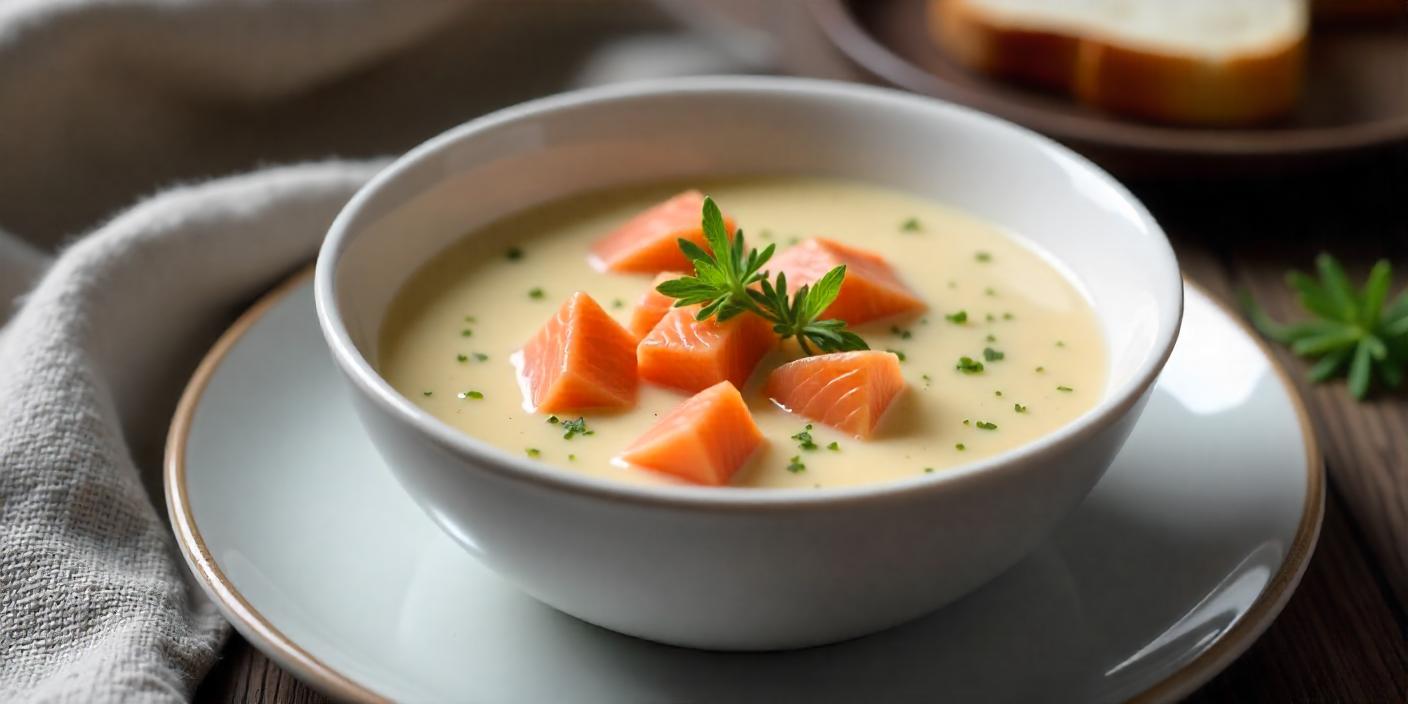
(1357, 333)
(723, 285)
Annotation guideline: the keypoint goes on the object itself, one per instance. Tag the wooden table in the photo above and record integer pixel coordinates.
(1343, 637)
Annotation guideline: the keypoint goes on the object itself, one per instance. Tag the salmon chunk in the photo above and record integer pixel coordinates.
(704, 440)
(652, 306)
(649, 242)
(871, 289)
(848, 391)
(687, 354)
(580, 359)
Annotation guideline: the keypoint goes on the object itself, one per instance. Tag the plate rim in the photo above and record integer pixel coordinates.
(846, 35)
(263, 634)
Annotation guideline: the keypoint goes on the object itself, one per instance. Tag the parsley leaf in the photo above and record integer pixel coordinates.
(804, 438)
(968, 365)
(573, 428)
(728, 281)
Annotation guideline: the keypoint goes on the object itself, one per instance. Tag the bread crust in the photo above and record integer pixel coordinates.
(1139, 82)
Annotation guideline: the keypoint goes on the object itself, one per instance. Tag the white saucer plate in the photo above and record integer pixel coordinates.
(1179, 559)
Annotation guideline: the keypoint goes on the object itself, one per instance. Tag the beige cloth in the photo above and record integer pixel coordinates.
(103, 101)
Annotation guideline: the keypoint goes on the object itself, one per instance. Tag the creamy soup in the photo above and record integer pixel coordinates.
(451, 332)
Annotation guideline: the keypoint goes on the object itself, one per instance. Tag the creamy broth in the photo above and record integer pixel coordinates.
(451, 330)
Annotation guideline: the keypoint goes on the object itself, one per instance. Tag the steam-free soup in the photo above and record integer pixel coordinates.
(452, 330)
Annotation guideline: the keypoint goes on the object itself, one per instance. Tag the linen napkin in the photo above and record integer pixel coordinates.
(104, 100)
(95, 604)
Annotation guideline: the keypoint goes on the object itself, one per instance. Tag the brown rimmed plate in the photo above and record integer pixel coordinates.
(1356, 97)
(1175, 564)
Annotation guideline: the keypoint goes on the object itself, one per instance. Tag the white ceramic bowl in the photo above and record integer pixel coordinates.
(738, 568)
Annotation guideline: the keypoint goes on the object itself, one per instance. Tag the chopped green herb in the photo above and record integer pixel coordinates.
(729, 280)
(992, 355)
(991, 338)
(796, 466)
(990, 317)
(571, 458)
(793, 240)
(1019, 408)
(960, 447)
(911, 225)
(983, 257)
(1007, 316)
(1065, 389)
(462, 358)
(618, 303)
(466, 333)
(904, 334)
(470, 394)
(984, 425)
(958, 318)
(534, 452)
(928, 470)
(1041, 370)
(1060, 343)
(553, 419)
(968, 365)
(536, 293)
(427, 393)
(573, 428)
(470, 319)
(989, 291)
(804, 438)
(765, 234)
(834, 446)
(998, 393)
(967, 422)
(514, 253)
(897, 353)
(481, 357)
(927, 379)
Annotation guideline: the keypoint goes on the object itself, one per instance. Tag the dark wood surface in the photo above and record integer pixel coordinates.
(1343, 636)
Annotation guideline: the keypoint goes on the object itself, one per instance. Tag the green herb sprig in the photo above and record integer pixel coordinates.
(723, 285)
(1355, 333)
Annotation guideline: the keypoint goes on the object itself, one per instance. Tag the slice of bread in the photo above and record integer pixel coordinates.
(1195, 62)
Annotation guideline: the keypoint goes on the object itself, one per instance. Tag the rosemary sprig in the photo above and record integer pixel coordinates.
(1355, 333)
(730, 281)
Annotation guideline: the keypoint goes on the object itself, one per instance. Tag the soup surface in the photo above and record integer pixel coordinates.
(451, 331)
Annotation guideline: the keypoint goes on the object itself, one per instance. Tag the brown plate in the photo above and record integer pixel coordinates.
(1356, 95)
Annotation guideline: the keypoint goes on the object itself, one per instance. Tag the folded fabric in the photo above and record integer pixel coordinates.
(95, 604)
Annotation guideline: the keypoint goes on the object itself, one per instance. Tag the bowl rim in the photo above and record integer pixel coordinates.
(1113, 405)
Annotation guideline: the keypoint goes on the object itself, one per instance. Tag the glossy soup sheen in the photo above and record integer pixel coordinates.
(451, 330)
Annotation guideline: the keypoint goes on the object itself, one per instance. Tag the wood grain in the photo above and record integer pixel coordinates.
(1257, 231)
